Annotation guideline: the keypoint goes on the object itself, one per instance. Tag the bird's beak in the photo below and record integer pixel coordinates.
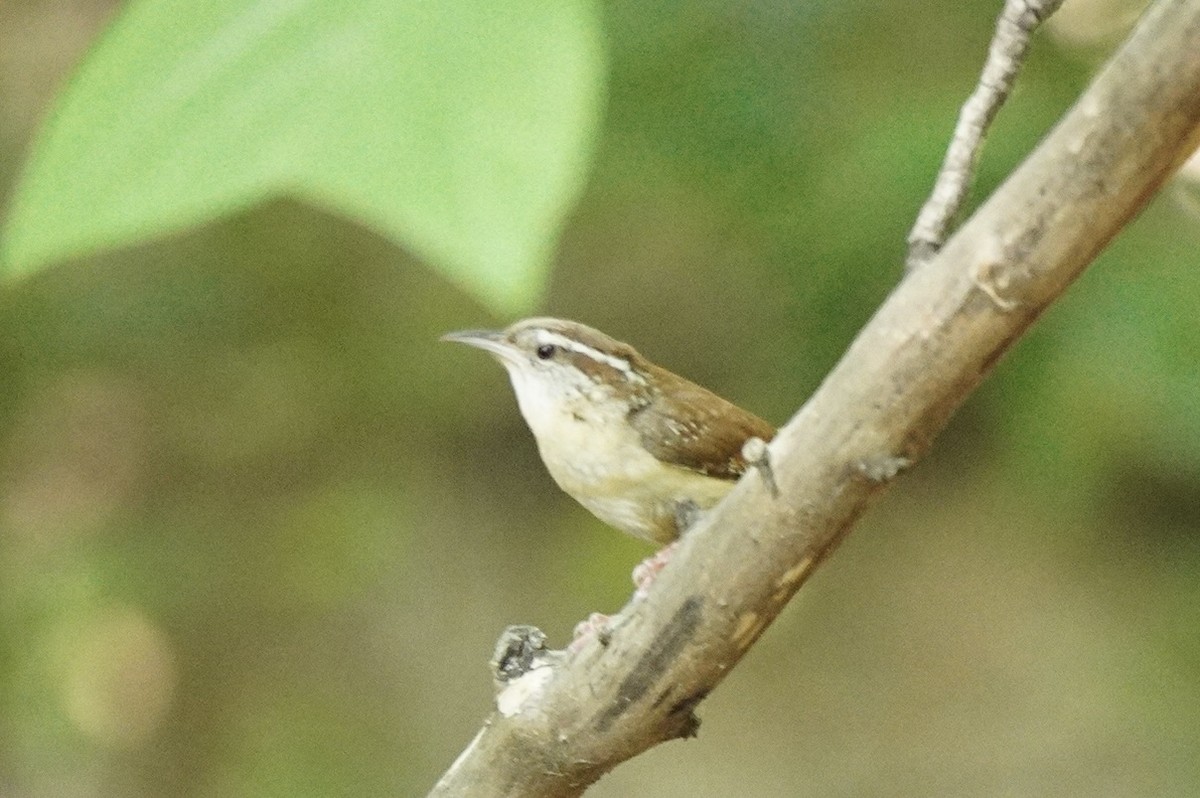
(490, 341)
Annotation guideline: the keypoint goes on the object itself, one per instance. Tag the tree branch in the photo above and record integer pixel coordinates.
(574, 717)
(1010, 45)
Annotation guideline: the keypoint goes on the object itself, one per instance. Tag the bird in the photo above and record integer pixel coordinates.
(643, 449)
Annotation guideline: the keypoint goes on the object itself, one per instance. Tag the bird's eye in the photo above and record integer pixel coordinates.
(546, 351)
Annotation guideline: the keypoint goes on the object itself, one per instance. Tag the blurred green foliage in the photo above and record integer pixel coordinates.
(462, 130)
(258, 530)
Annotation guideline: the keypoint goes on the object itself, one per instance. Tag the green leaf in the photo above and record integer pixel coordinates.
(461, 130)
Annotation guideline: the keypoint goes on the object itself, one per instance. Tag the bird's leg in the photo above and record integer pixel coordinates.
(687, 513)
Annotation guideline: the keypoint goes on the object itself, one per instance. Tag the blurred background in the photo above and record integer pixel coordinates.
(259, 530)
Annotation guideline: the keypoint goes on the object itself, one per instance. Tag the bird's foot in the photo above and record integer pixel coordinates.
(648, 569)
(597, 625)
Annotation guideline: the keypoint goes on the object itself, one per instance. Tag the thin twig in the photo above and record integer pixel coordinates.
(1009, 47)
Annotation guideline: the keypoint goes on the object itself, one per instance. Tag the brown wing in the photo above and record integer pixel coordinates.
(696, 429)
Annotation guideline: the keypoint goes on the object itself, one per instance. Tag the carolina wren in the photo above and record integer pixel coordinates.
(640, 447)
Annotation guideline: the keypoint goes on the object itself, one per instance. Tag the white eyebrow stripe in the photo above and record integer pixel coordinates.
(619, 363)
